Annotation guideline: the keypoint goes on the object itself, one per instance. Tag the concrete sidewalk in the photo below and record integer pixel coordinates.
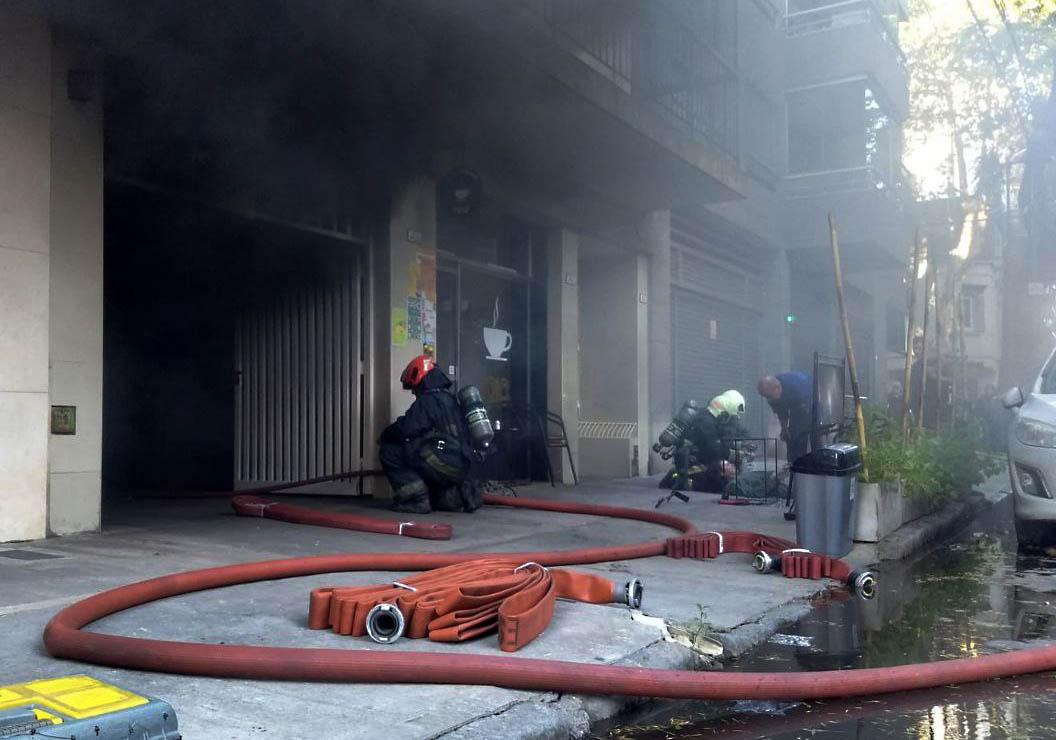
(155, 537)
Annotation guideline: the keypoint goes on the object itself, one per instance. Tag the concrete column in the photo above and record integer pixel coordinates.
(641, 345)
(76, 289)
(403, 267)
(562, 339)
(614, 367)
(25, 183)
(776, 343)
(656, 242)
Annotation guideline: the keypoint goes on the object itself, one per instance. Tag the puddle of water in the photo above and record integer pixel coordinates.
(971, 596)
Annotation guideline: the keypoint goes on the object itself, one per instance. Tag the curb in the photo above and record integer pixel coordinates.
(556, 717)
(916, 535)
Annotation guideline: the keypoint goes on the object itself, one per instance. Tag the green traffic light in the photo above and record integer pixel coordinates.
(790, 318)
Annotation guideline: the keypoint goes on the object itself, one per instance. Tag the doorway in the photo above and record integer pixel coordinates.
(484, 338)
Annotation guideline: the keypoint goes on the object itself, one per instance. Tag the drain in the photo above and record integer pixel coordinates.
(27, 555)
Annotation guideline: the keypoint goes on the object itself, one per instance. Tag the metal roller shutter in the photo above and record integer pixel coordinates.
(298, 358)
(716, 347)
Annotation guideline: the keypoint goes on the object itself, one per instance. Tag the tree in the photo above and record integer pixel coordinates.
(1036, 11)
(977, 68)
(978, 71)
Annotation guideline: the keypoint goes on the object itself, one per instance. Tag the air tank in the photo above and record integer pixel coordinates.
(475, 412)
(676, 430)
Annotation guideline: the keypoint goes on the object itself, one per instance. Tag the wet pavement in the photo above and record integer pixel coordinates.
(972, 595)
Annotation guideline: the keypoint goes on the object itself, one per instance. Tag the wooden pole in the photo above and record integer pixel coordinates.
(929, 281)
(907, 370)
(940, 402)
(859, 415)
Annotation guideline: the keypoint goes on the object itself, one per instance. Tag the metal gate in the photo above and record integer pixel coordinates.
(299, 360)
(716, 348)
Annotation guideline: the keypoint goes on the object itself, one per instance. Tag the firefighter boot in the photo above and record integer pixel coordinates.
(411, 498)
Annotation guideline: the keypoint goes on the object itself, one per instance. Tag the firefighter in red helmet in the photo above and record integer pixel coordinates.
(425, 453)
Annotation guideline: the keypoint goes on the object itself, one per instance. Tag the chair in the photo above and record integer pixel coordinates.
(554, 436)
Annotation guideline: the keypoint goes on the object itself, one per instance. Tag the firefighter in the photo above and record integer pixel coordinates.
(789, 395)
(701, 462)
(425, 453)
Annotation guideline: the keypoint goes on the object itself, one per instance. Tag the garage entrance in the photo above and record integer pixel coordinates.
(233, 350)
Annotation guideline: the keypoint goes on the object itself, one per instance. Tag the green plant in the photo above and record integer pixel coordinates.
(700, 626)
(930, 465)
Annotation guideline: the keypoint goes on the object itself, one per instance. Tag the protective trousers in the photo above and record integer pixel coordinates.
(799, 432)
(424, 474)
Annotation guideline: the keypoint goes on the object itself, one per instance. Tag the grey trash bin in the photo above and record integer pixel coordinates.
(824, 484)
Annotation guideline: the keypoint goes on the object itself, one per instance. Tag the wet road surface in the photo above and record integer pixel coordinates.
(973, 595)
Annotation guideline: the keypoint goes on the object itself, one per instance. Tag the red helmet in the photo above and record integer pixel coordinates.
(415, 371)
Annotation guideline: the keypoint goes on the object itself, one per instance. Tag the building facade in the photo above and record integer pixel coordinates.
(223, 240)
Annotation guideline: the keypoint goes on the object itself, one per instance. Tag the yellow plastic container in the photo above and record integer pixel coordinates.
(98, 709)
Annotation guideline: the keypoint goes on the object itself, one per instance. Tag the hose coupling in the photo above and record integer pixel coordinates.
(385, 623)
(630, 594)
(765, 563)
(863, 583)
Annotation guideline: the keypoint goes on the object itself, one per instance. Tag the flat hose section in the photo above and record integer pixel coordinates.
(64, 637)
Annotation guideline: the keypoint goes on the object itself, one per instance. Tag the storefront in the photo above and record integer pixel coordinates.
(490, 324)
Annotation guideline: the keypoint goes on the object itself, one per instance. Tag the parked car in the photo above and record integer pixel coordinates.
(1032, 458)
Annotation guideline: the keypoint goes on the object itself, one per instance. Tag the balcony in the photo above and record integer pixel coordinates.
(891, 184)
(677, 58)
(870, 205)
(835, 40)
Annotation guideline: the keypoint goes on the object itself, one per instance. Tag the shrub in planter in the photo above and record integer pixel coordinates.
(931, 469)
(930, 465)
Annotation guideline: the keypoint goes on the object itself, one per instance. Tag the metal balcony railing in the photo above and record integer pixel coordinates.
(894, 183)
(803, 18)
(687, 67)
(770, 8)
(678, 54)
(604, 40)
(761, 117)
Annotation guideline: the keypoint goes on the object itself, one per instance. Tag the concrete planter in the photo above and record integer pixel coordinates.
(880, 509)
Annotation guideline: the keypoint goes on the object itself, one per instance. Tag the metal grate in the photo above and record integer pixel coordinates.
(27, 555)
(607, 430)
(298, 360)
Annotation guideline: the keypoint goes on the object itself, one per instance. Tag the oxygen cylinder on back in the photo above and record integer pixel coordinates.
(475, 412)
(676, 430)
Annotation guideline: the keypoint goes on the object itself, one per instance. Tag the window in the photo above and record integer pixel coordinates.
(896, 331)
(842, 126)
(973, 313)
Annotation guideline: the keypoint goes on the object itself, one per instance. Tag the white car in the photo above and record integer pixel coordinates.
(1032, 458)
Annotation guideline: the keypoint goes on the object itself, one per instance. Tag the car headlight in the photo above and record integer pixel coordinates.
(1035, 433)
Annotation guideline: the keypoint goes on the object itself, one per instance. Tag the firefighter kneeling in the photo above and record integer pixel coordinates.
(698, 441)
(428, 452)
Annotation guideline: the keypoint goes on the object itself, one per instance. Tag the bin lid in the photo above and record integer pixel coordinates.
(835, 460)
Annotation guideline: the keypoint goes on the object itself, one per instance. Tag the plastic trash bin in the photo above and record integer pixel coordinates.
(824, 483)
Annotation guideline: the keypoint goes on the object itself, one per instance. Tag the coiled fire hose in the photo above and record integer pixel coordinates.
(65, 638)
(461, 602)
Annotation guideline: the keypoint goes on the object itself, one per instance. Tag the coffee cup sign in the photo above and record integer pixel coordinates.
(497, 342)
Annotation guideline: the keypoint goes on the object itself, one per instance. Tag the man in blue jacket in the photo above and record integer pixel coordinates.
(790, 397)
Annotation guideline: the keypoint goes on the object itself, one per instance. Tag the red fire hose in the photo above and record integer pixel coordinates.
(64, 637)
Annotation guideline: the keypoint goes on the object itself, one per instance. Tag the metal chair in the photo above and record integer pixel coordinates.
(555, 439)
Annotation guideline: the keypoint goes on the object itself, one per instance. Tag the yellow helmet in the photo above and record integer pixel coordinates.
(730, 403)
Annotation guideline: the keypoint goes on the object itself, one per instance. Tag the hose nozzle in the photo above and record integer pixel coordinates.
(630, 594)
(863, 584)
(385, 623)
(766, 563)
